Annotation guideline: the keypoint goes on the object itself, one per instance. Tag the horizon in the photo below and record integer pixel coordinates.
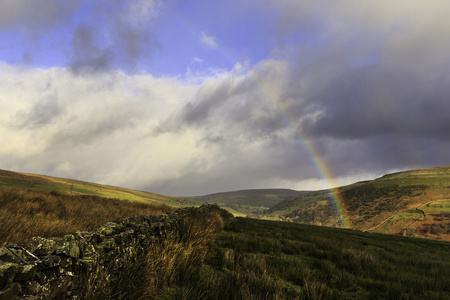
(192, 97)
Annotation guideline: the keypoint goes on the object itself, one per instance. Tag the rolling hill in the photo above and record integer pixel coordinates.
(76, 187)
(413, 203)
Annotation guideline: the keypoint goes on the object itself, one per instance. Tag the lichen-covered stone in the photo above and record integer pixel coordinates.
(110, 228)
(67, 248)
(7, 256)
(83, 236)
(39, 246)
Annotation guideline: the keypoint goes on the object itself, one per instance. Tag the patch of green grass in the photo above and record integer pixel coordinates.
(259, 259)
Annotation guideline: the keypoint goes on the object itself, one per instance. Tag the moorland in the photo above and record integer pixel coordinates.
(219, 257)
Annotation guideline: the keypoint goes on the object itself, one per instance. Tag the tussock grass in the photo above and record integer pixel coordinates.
(24, 214)
(172, 266)
(256, 259)
(169, 269)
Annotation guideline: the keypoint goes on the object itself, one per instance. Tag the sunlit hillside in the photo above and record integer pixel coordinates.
(413, 203)
(77, 187)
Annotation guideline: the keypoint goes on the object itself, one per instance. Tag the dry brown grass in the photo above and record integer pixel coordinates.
(174, 262)
(169, 268)
(24, 214)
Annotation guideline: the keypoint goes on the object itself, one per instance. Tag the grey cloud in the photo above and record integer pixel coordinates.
(42, 113)
(376, 100)
(370, 70)
(36, 15)
(87, 56)
(236, 104)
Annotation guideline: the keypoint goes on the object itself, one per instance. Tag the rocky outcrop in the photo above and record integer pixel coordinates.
(60, 267)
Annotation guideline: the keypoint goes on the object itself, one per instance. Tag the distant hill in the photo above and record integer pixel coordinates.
(413, 203)
(255, 197)
(253, 201)
(71, 186)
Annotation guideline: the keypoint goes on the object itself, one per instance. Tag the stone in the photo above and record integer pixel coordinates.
(7, 256)
(48, 262)
(83, 235)
(39, 246)
(67, 248)
(110, 228)
(8, 271)
(27, 272)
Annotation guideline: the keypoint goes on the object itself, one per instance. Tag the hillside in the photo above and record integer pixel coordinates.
(260, 259)
(413, 203)
(77, 187)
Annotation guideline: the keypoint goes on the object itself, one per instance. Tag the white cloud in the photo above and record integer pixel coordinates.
(208, 41)
(218, 130)
(197, 60)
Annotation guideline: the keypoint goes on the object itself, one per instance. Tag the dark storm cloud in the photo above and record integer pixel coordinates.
(387, 76)
(360, 102)
(370, 99)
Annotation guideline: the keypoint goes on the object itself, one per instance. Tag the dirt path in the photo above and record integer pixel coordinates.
(388, 218)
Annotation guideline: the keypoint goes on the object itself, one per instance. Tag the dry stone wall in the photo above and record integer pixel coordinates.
(60, 267)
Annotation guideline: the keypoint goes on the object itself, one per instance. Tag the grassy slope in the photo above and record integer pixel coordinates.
(259, 259)
(415, 203)
(77, 187)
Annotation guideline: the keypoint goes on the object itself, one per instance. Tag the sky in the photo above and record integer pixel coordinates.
(193, 97)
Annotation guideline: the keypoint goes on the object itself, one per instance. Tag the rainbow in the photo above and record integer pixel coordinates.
(319, 162)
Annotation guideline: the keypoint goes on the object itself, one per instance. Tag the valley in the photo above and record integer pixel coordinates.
(413, 203)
